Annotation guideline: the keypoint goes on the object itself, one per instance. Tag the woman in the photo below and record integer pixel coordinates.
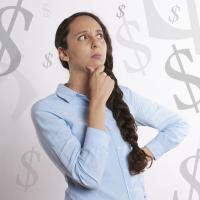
(88, 127)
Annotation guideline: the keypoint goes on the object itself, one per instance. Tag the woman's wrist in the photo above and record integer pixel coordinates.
(149, 153)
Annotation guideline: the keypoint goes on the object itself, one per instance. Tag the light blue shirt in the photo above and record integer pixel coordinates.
(93, 161)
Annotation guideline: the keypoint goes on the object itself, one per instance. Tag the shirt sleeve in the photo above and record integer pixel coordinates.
(172, 127)
(86, 164)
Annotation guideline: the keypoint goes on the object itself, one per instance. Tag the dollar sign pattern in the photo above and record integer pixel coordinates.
(27, 161)
(23, 100)
(47, 57)
(121, 8)
(46, 10)
(182, 76)
(190, 177)
(7, 43)
(167, 31)
(174, 11)
(130, 43)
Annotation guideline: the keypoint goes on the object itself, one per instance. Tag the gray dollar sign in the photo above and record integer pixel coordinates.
(121, 14)
(190, 178)
(182, 76)
(134, 46)
(167, 31)
(7, 43)
(175, 17)
(27, 161)
(47, 57)
(46, 10)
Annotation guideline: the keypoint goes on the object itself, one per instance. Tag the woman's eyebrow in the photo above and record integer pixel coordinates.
(98, 30)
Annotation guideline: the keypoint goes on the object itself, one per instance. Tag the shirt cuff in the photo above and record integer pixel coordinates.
(156, 148)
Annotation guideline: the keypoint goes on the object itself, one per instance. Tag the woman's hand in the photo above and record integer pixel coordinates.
(101, 85)
(148, 152)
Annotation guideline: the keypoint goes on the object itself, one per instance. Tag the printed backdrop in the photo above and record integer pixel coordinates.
(156, 51)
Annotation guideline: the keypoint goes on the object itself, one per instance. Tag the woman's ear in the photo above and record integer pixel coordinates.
(63, 54)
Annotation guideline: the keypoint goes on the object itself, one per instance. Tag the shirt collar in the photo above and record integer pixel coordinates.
(69, 94)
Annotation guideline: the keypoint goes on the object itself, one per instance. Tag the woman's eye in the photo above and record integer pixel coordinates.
(82, 36)
(101, 35)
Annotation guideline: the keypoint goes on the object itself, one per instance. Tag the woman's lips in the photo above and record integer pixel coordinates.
(97, 56)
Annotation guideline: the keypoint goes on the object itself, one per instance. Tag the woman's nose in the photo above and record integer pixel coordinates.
(95, 43)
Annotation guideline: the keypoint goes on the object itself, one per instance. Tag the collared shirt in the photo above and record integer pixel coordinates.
(93, 161)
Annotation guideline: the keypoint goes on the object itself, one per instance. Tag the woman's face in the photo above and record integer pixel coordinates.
(85, 39)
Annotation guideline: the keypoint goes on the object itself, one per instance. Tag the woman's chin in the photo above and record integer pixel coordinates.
(96, 63)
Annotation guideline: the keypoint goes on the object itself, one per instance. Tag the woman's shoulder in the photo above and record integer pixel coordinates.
(127, 92)
(124, 89)
(131, 94)
(48, 103)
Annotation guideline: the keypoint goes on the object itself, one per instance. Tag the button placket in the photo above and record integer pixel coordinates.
(117, 142)
(119, 150)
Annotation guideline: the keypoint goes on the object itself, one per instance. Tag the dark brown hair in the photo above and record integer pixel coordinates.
(137, 159)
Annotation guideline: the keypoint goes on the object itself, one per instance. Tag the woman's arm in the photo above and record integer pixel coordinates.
(85, 164)
(172, 127)
(96, 115)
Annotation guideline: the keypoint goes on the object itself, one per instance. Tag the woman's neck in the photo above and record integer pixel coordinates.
(82, 88)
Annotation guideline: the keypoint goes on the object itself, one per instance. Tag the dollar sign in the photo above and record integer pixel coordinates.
(183, 77)
(121, 14)
(190, 177)
(7, 43)
(47, 11)
(48, 63)
(167, 31)
(174, 10)
(134, 46)
(27, 160)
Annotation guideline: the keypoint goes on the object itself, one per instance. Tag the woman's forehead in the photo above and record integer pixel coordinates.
(84, 23)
